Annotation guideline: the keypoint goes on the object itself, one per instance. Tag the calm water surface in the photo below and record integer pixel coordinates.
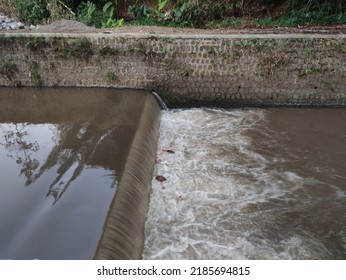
(250, 184)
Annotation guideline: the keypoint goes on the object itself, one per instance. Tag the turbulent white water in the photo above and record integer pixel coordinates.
(248, 184)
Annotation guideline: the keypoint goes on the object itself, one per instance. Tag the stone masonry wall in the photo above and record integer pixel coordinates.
(216, 70)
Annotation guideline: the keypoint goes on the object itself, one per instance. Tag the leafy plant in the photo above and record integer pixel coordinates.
(162, 4)
(157, 13)
(90, 15)
(200, 13)
(142, 11)
(139, 11)
(111, 23)
(112, 76)
(31, 11)
(86, 11)
(111, 8)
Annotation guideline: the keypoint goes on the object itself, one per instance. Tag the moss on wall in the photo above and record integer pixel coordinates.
(224, 70)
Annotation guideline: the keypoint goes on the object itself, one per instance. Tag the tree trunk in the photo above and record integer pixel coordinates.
(122, 8)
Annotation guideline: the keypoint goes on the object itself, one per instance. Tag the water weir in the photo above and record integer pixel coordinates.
(85, 164)
(123, 235)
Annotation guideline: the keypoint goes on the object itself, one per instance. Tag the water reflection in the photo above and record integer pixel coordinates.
(19, 147)
(68, 146)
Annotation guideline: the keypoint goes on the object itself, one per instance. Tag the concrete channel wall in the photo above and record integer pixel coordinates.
(215, 70)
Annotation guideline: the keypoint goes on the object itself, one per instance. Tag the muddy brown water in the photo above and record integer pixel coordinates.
(63, 154)
(241, 184)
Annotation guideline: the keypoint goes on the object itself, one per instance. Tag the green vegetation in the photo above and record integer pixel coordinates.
(167, 39)
(184, 13)
(8, 69)
(17, 83)
(111, 23)
(107, 50)
(80, 48)
(301, 18)
(34, 74)
(90, 15)
(31, 11)
(230, 55)
(212, 13)
(232, 22)
(112, 76)
(36, 43)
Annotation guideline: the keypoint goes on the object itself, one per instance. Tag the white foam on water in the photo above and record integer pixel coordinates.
(223, 199)
(82, 130)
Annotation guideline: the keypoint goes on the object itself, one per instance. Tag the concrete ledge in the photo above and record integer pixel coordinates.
(176, 35)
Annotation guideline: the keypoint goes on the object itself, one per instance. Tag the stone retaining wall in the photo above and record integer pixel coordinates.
(221, 70)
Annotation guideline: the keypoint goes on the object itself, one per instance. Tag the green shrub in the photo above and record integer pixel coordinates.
(300, 18)
(327, 6)
(200, 13)
(191, 13)
(139, 12)
(88, 14)
(31, 11)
